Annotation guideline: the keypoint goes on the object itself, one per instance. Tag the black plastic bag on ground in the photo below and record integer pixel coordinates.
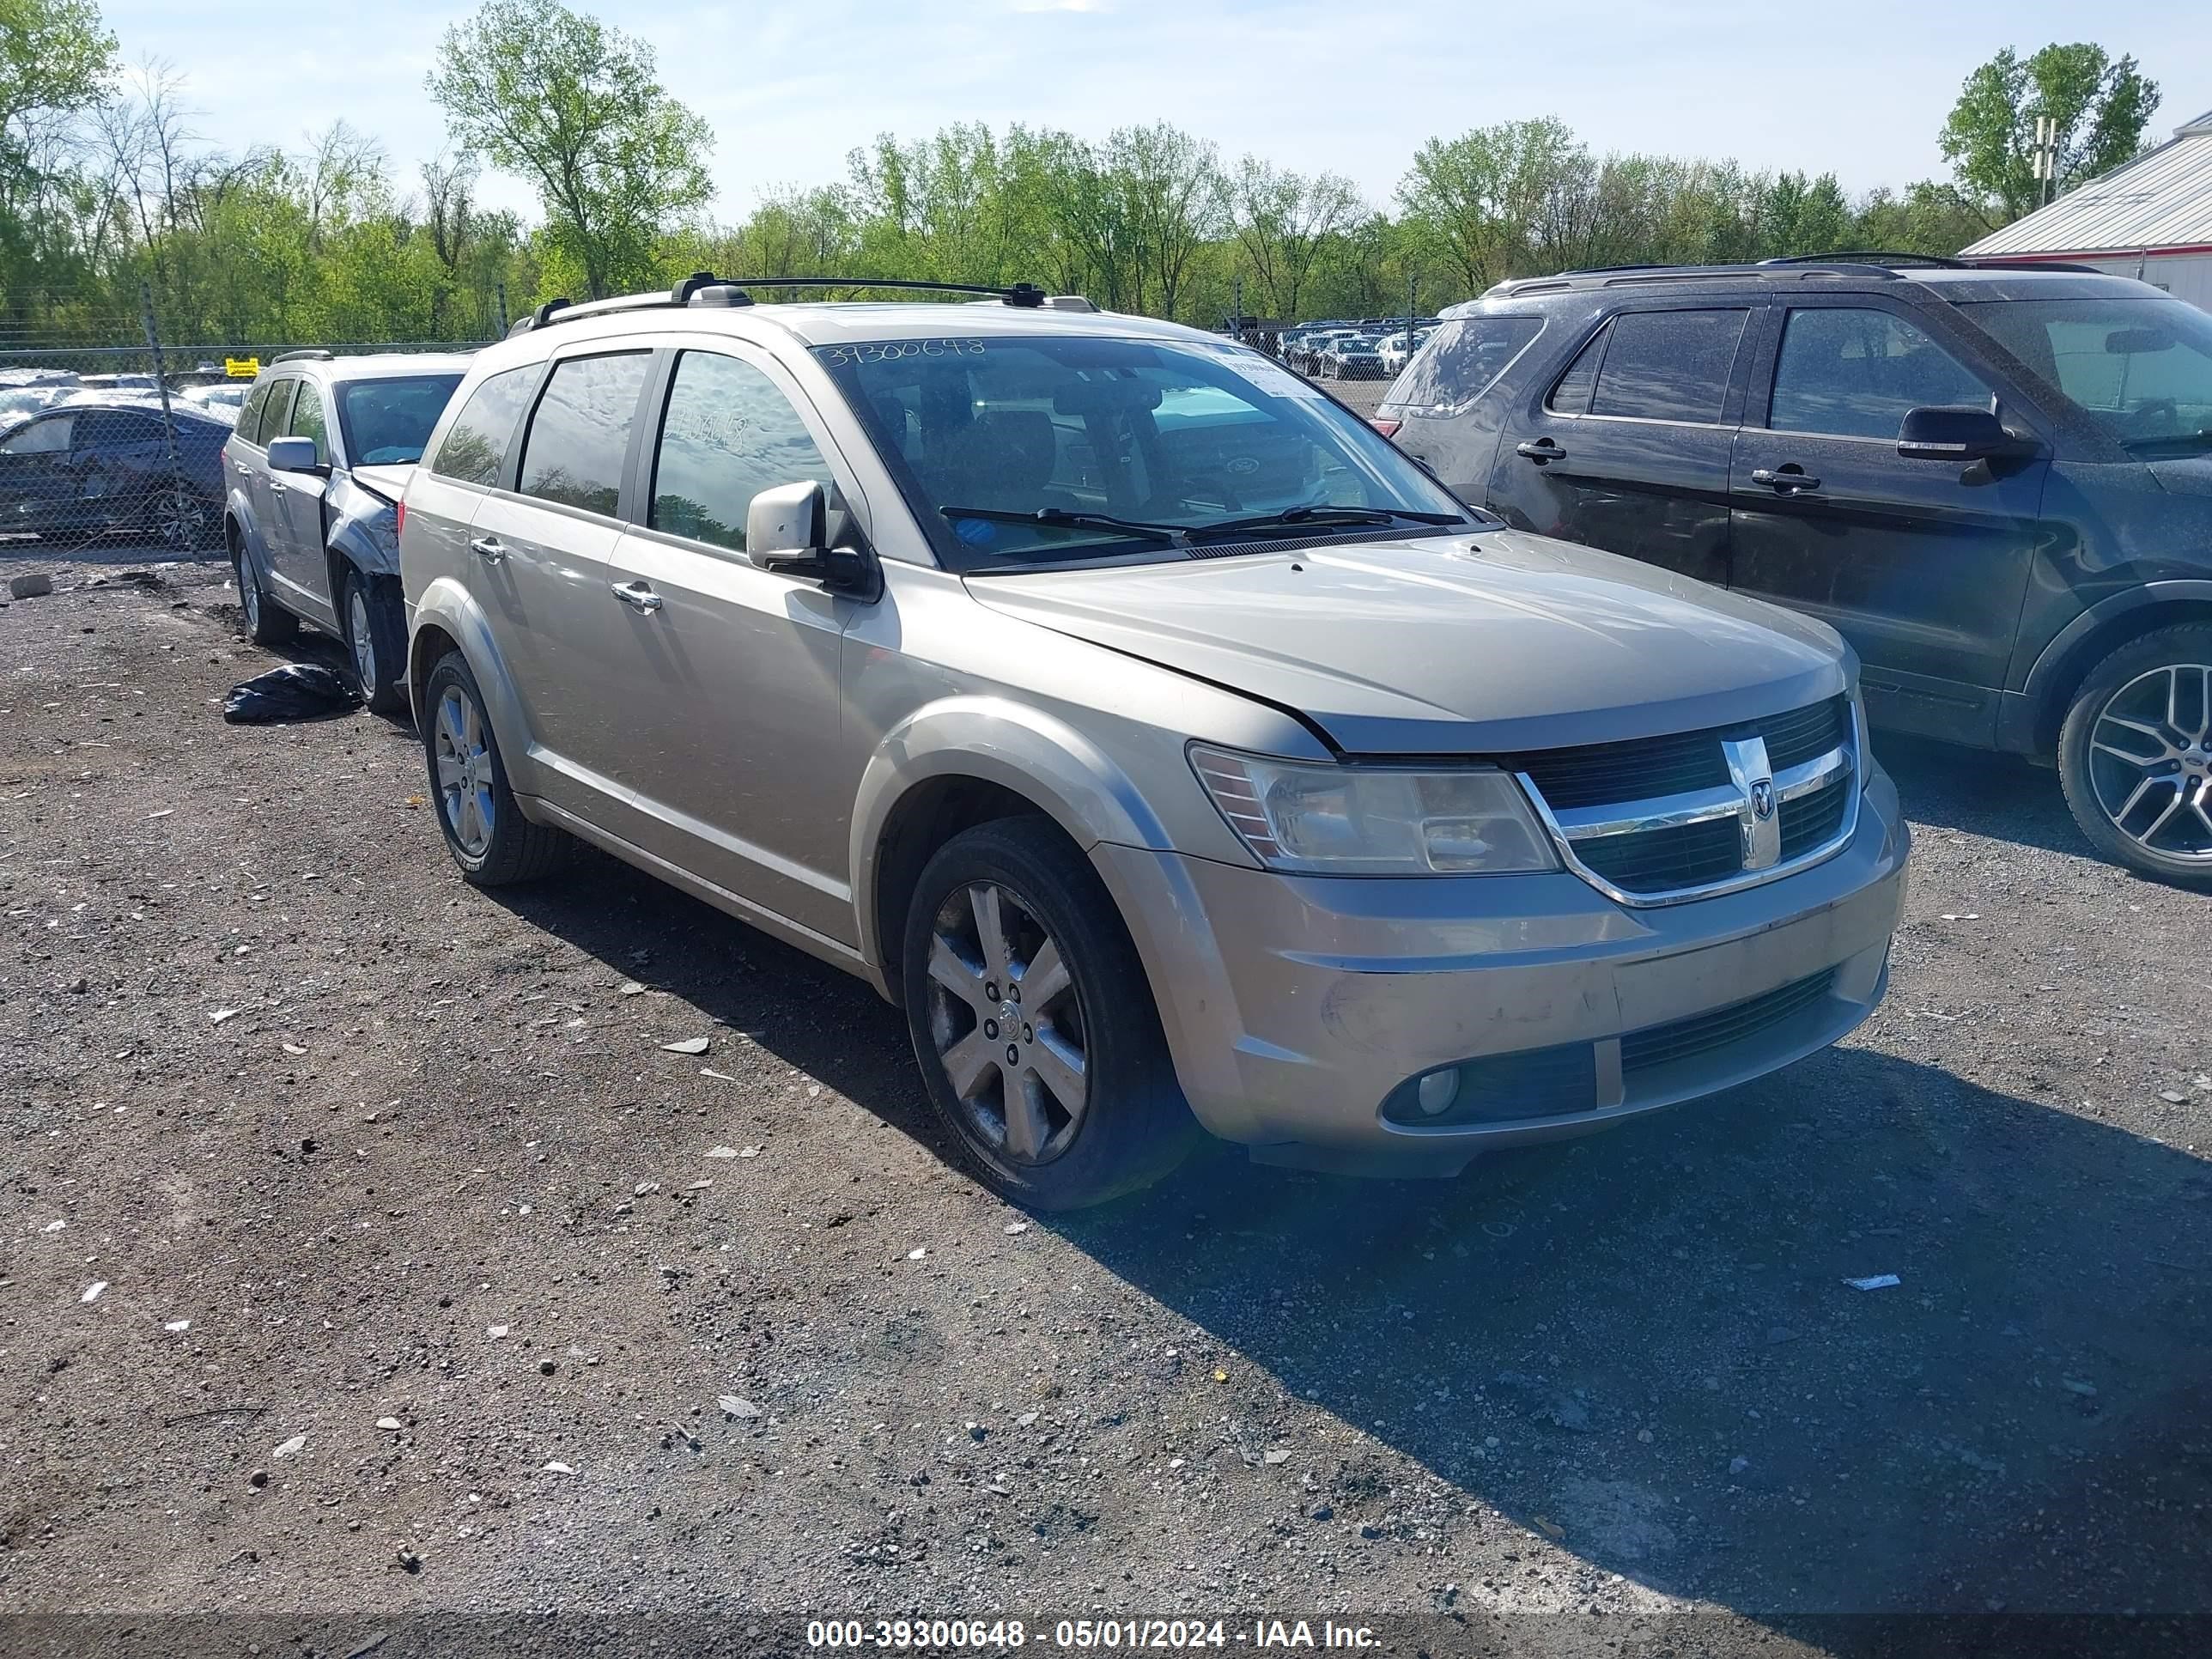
(297, 691)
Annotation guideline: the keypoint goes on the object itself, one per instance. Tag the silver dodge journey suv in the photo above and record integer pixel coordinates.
(1173, 750)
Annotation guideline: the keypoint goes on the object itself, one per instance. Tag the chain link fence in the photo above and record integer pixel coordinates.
(120, 444)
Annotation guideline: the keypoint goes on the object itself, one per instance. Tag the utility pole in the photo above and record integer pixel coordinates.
(1236, 326)
(1412, 282)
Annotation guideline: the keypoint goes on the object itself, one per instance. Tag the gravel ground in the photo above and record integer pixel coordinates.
(368, 1253)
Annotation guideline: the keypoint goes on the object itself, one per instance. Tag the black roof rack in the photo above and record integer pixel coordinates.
(1933, 261)
(1870, 257)
(704, 287)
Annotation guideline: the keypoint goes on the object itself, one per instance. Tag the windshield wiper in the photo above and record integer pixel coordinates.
(2180, 444)
(1052, 518)
(1320, 516)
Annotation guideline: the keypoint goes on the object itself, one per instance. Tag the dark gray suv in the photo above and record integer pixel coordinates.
(1996, 482)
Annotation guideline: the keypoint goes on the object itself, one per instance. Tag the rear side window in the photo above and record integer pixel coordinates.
(48, 437)
(1669, 364)
(729, 435)
(308, 421)
(1463, 359)
(1572, 394)
(581, 432)
(474, 446)
(1854, 373)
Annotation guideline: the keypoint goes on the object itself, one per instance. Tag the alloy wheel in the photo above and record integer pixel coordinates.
(179, 520)
(463, 747)
(2150, 761)
(1007, 1025)
(362, 641)
(249, 594)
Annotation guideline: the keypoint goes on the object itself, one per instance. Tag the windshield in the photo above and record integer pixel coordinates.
(1172, 437)
(388, 422)
(2141, 367)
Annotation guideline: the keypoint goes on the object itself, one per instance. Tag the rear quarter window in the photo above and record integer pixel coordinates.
(1463, 359)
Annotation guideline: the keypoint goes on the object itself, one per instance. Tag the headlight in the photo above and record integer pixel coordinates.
(1320, 819)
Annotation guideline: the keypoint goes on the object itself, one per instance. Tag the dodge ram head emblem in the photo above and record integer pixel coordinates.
(1762, 798)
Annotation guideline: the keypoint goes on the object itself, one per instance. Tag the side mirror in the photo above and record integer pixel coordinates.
(292, 455)
(1960, 435)
(786, 532)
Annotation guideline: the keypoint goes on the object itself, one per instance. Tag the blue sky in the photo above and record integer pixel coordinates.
(1860, 87)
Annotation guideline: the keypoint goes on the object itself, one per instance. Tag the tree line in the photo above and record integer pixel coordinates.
(105, 196)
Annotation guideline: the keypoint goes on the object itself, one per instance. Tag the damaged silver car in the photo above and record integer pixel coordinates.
(312, 481)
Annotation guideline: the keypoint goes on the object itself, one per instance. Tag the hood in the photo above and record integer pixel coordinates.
(1473, 644)
(2190, 475)
(387, 480)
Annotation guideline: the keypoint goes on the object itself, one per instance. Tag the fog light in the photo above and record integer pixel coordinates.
(1437, 1092)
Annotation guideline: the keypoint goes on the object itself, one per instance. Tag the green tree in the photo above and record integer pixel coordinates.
(2100, 105)
(562, 100)
(1481, 198)
(1284, 221)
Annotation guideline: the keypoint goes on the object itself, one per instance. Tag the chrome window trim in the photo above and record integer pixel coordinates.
(1584, 824)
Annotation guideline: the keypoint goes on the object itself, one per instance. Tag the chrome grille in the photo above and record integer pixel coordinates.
(1657, 820)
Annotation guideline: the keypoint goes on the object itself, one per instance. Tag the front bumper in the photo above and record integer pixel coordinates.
(1295, 1007)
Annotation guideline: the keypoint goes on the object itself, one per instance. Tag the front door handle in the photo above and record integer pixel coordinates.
(1543, 450)
(488, 548)
(636, 595)
(277, 485)
(1791, 479)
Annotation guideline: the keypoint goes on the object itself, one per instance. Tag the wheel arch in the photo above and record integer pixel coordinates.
(447, 617)
(967, 761)
(2090, 638)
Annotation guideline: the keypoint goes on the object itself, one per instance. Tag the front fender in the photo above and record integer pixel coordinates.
(1000, 741)
(363, 527)
(445, 606)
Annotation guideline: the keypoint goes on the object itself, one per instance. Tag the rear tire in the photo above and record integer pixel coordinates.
(485, 831)
(2135, 755)
(376, 640)
(267, 623)
(1064, 1096)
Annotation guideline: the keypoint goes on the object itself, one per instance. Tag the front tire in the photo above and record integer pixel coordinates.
(376, 640)
(1034, 1023)
(485, 831)
(2135, 755)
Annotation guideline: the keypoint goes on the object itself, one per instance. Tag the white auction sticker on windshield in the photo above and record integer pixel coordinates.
(1266, 373)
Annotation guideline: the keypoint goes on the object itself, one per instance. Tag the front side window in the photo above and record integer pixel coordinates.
(1178, 440)
(474, 446)
(2140, 367)
(1847, 373)
(48, 437)
(308, 421)
(729, 434)
(580, 434)
(1669, 364)
(387, 422)
(1463, 359)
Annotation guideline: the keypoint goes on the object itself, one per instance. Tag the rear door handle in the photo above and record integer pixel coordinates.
(636, 595)
(488, 548)
(1791, 479)
(1542, 450)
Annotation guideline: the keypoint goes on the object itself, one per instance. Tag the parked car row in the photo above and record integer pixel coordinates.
(1344, 351)
(1994, 482)
(1170, 749)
